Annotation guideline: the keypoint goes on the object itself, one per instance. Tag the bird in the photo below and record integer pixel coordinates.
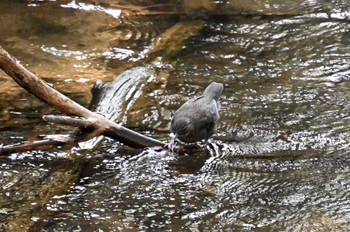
(196, 119)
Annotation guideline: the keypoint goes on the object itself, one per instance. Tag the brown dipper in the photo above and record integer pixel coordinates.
(195, 120)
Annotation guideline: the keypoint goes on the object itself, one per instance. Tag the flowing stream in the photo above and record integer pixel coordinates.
(278, 162)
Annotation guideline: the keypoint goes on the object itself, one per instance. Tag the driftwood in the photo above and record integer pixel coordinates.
(66, 174)
(91, 124)
(52, 97)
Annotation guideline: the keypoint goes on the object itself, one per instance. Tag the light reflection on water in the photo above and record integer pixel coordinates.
(89, 7)
(278, 162)
(152, 191)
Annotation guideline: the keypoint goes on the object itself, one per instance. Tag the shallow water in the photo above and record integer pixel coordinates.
(278, 162)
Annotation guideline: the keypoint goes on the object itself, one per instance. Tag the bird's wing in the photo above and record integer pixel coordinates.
(202, 107)
(208, 117)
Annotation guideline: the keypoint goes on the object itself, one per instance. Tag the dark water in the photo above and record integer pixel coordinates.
(278, 162)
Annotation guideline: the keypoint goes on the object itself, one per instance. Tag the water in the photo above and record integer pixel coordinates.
(278, 162)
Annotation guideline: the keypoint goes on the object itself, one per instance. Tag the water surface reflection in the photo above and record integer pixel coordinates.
(279, 160)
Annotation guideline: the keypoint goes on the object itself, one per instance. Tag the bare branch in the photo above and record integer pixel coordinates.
(29, 146)
(52, 97)
(69, 121)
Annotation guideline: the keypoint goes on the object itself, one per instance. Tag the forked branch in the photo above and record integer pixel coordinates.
(52, 97)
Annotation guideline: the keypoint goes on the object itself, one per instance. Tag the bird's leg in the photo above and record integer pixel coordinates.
(172, 142)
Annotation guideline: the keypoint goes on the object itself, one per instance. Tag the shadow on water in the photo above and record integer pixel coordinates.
(278, 162)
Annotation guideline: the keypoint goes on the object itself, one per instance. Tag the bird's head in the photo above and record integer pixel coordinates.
(214, 90)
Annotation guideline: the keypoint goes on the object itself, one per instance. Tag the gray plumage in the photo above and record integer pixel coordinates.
(195, 120)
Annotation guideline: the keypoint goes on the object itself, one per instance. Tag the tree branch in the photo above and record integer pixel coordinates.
(52, 97)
